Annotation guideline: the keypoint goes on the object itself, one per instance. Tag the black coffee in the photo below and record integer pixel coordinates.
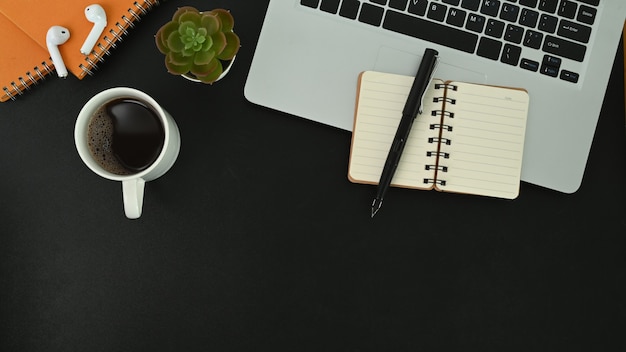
(125, 136)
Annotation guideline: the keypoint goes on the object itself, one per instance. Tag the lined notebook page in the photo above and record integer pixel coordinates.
(379, 109)
(489, 125)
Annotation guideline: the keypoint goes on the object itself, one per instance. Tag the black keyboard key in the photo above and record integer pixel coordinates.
(567, 9)
(398, 4)
(574, 31)
(591, 2)
(349, 8)
(533, 39)
(475, 23)
(490, 7)
(552, 61)
(548, 23)
(379, 2)
(550, 65)
(514, 34)
(430, 31)
(569, 76)
(529, 65)
(310, 3)
(586, 14)
(452, 2)
(494, 28)
(509, 12)
(489, 48)
(529, 18)
(437, 12)
(564, 48)
(371, 14)
(418, 7)
(456, 17)
(549, 70)
(529, 3)
(472, 5)
(548, 5)
(511, 54)
(330, 6)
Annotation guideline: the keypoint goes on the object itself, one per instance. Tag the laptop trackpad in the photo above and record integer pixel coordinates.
(402, 62)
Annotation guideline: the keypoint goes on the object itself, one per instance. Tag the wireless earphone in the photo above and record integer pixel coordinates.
(94, 13)
(56, 36)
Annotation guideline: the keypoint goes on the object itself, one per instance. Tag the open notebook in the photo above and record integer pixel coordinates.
(561, 52)
(468, 139)
(24, 57)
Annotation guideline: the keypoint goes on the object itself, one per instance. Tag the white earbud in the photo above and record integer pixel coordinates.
(94, 13)
(56, 36)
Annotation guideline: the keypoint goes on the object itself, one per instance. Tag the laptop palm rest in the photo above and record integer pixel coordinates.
(402, 62)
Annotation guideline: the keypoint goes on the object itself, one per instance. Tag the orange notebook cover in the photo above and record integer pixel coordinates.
(121, 15)
(23, 63)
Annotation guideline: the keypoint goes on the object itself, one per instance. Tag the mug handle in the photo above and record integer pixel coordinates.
(132, 192)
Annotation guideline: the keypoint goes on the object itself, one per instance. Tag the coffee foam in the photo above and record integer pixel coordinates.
(99, 136)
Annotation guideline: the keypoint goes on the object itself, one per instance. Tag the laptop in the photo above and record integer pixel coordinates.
(310, 53)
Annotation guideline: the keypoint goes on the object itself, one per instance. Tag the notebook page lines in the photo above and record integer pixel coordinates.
(488, 140)
(379, 110)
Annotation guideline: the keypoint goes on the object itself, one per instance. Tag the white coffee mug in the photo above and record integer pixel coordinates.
(133, 184)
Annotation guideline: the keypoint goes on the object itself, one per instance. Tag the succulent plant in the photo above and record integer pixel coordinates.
(198, 42)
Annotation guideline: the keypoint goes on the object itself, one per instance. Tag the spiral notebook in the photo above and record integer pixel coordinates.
(24, 57)
(468, 139)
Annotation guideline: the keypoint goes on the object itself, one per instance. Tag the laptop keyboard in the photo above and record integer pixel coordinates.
(535, 35)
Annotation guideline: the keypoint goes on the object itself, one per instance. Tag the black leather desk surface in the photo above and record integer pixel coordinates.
(255, 239)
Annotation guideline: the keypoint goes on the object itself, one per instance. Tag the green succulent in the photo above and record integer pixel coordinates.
(198, 42)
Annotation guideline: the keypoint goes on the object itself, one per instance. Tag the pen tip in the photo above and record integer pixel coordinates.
(376, 204)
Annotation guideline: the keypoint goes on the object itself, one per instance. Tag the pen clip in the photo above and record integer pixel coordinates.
(430, 80)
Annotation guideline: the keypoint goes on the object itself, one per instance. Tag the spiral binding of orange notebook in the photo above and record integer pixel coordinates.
(24, 57)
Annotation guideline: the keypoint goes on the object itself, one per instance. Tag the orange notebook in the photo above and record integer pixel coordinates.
(23, 63)
(23, 39)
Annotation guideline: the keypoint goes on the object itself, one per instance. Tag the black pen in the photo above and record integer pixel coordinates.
(412, 107)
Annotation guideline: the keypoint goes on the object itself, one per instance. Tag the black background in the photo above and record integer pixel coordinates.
(256, 240)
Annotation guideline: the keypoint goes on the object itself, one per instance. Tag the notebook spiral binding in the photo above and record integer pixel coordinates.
(97, 56)
(436, 167)
(442, 113)
(438, 182)
(17, 89)
(440, 154)
(440, 126)
(446, 86)
(446, 141)
(447, 100)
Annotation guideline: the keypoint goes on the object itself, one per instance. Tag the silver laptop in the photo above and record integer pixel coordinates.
(310, 53)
